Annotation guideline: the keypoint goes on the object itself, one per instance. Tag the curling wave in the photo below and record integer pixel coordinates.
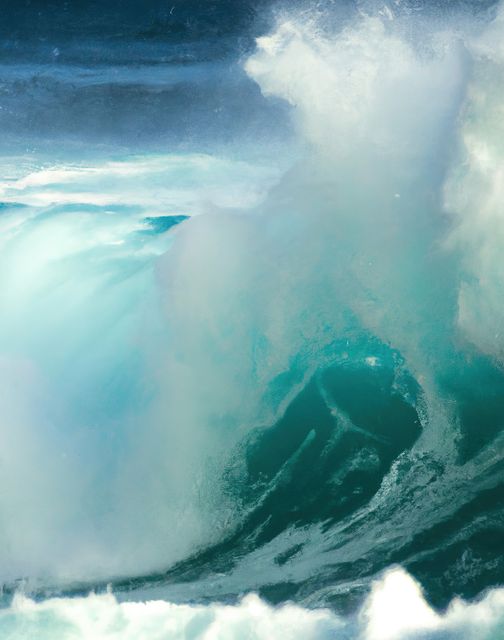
(289, 393)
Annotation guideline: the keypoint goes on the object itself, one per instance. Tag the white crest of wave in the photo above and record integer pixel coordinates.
(395, 610)
(365, 86)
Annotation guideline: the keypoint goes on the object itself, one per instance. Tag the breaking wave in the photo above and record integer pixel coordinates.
(221, 377)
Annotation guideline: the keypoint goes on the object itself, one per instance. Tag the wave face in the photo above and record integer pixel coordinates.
(273, 366)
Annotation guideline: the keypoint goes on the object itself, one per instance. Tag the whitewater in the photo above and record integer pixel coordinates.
(251, 372)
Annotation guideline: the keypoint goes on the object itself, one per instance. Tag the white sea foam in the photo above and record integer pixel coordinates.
(395, 610)
(163, 185)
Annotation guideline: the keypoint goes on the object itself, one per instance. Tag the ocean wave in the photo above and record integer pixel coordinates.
(288, 393)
